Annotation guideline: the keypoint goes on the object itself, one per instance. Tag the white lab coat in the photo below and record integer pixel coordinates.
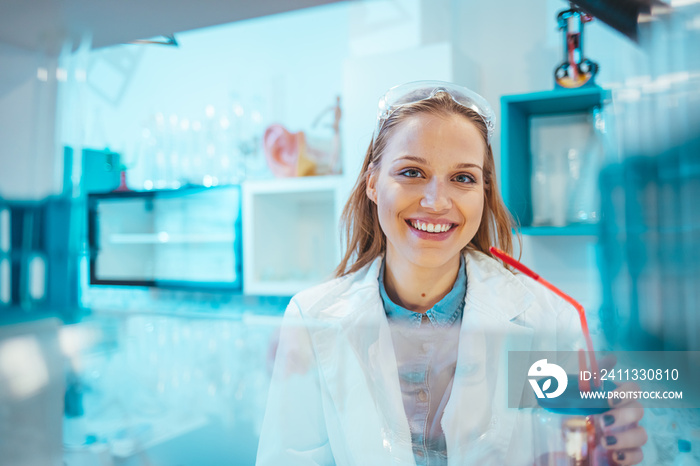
(335, 395)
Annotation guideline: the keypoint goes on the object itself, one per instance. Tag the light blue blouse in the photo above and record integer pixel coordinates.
(426, 353)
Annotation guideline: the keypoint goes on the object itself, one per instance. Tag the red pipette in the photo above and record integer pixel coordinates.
(581, 313)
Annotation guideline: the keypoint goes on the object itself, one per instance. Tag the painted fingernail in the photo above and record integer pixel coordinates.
(617, 401)
(620, 455)
(608, 419)
(610, 440)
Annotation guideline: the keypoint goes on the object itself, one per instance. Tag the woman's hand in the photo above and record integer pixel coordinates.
(621, 435)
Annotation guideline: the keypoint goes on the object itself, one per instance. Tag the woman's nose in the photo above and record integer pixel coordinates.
(436, 196)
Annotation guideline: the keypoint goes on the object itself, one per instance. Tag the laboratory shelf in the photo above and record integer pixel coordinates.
(558, 101)
(290, 233)
(185, 238)
(568, 230)
(301, 184)
(38, 267)
(517, 112)
(262, 287)
(164, 237)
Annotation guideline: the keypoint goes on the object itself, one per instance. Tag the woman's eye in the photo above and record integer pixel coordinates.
(464, 178)
(411, 173)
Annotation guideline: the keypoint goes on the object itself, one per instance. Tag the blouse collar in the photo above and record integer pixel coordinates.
(443, 314)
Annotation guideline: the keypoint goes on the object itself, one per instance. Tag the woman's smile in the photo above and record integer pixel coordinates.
(431, 230)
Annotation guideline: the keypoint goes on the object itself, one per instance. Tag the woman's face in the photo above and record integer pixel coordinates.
(429, 189)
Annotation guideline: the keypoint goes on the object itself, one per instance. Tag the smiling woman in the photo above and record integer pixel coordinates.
(438, 186)
(434, 187)
(457, 122)
(400, 358)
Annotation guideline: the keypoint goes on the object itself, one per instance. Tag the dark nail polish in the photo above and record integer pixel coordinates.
(610, 440)
(617, 401)
(620, 455)
(608, 419)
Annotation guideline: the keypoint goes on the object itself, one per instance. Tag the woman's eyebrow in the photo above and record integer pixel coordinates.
(469, 165)
(421, 160)
(412, 158)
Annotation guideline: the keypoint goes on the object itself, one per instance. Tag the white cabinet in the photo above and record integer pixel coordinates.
(291, 238)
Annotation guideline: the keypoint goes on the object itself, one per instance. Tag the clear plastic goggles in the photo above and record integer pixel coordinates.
(404, 94)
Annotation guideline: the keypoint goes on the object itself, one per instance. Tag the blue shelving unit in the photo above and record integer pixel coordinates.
(38, 268)
(569, 230)
(516, 158)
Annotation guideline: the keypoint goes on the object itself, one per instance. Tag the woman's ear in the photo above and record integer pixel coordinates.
(371, 183)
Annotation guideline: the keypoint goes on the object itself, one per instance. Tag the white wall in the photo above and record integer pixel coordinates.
(28, 155)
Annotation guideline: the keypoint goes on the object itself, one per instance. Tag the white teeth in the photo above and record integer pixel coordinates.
(430, 227)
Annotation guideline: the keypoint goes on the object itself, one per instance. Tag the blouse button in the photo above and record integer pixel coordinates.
(422, 396)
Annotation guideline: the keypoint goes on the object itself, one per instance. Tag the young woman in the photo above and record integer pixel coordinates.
(401, 358)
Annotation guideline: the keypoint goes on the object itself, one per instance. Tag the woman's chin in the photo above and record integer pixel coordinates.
(431, 259)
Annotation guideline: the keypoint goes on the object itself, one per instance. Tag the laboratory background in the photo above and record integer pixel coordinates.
(171, 173)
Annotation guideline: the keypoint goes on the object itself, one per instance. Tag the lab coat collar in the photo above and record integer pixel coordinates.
(486, 279)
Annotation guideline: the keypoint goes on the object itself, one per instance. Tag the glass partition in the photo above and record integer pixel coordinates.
(186, 237)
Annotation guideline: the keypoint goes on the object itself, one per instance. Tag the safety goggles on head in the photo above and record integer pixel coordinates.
(409, 93)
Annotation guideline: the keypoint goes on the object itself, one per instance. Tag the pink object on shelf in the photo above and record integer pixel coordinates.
(282, 150)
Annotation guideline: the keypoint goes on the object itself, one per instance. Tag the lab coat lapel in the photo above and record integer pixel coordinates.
(357, 359)
(477, 422)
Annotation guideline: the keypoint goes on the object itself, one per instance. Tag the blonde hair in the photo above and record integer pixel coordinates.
(364, 237)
